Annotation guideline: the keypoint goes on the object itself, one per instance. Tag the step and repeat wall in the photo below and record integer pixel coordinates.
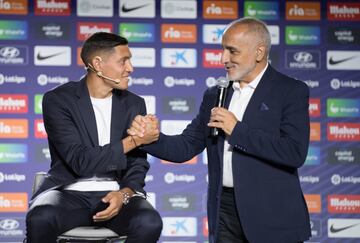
(176, 54)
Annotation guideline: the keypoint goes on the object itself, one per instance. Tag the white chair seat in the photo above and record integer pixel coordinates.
(90, 233)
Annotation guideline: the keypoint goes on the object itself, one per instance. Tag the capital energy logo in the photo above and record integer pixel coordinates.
(52, 30)
(303, 11)
(212, 33)
(39, 129)
(86, 29)
(44, 79)
(343, 228)
(13, 202)
(309, 179)
(309, 59)
(179, 202)
(339, 155)
(261, 10)
(95, 8)
(178, 105)
(143, 57)
(343, 35)
(315, 225)
(137, 8)
(343, 107)
(315, 131)
(14, 177)
(343, 60)
(178, 33)
(16, 7)
(180, 9)
(150, 102)
(314, 107)
(179, 227)
(313, 156)
(342, 131)
(302, 35)
(343, 11)
(137, 32)
(274, 31)
(220, 10)
(313, 202)
(14, 128)
(349, 204)
(13, 55)
(42, 153)
(52, 55)
(53, 7)
(10, 103)
(13, 153)
(178, 58)
(212, 58)
(13, 30)
(11, 227)
(337, 179)
(171, 81)
(336, 83)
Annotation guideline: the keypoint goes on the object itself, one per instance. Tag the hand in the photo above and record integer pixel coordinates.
(115, 201)
(144, 129)
(224, 119)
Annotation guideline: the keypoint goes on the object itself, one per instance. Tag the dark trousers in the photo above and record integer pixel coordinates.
(55, 212)
(230, 229)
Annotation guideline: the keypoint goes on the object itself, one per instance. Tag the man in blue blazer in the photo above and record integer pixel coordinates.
(254, 193)
(95, 170)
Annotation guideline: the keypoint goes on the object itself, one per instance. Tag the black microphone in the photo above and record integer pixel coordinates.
(99, 74)
(222, 85)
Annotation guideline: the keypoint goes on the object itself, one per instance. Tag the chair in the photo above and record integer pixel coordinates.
(84, 233)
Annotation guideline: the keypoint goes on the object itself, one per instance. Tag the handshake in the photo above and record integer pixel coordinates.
(144, 129)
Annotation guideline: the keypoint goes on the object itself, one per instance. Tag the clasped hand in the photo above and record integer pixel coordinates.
(145, 129)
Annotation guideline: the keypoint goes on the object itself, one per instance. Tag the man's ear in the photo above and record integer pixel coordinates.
(96, 63)
(260, 52)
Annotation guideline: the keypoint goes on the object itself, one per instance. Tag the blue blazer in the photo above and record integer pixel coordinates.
(269, 145)
(73, 140)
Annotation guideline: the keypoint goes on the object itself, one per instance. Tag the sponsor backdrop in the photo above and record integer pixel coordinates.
(176, 53)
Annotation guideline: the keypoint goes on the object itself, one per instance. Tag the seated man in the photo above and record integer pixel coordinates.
(95, 170)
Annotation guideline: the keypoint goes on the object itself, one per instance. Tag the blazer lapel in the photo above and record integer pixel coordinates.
(118, 118)
(87, 112)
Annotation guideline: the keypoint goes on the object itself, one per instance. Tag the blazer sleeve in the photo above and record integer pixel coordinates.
(290, 147)
(71, 143)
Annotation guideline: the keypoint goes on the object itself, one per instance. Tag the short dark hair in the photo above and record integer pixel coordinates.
(100, 42)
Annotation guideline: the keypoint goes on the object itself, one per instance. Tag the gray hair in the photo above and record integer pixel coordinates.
(256, 27)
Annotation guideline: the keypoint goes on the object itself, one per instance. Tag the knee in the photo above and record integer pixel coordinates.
(41, 216)
(151, 222)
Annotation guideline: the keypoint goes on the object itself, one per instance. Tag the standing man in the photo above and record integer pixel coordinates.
(254, 193)
(95, 170)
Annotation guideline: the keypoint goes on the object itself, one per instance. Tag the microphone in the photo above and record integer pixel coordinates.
(99, 74)
(222, 85)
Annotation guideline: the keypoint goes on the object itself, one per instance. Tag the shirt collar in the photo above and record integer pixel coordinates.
(253, 84)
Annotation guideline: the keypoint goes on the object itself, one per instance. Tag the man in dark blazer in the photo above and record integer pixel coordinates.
(254, 193)
(95, 169)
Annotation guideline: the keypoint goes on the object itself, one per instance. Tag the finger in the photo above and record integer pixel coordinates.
(215, 124)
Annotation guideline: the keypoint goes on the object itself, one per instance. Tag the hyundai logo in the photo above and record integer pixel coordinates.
(9, 52)
(303, 56)
(9, 224)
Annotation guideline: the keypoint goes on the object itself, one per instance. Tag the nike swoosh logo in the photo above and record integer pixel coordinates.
(333, 62)
(40, 57)
(126, 10)
(336, 230)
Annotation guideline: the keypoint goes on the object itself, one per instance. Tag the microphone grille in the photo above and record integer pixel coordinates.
(222, 82)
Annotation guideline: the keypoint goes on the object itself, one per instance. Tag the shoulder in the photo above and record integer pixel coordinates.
(287, 83)
(64, 92)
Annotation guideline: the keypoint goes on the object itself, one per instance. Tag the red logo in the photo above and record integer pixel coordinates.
(341, 131)
(314, 107)
(343, 11)
(52, 7)
(212, 58)
(13, 103)
(85, 29)
(205, 227)
(39, 129)
(344, 204)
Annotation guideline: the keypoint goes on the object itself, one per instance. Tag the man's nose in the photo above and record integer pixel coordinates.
(224, 57)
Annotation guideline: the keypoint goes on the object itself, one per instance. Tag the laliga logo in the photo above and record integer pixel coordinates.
(335, 83)
(336, 179)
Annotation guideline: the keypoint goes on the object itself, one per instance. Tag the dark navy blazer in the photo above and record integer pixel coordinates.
(73, 140)
(269, 145)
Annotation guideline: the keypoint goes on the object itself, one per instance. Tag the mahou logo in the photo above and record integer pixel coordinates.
(344, 204)
(343, 131)
(52, 7)
(212, 58)
(343, 11)
(314, 107)
(13, 103)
